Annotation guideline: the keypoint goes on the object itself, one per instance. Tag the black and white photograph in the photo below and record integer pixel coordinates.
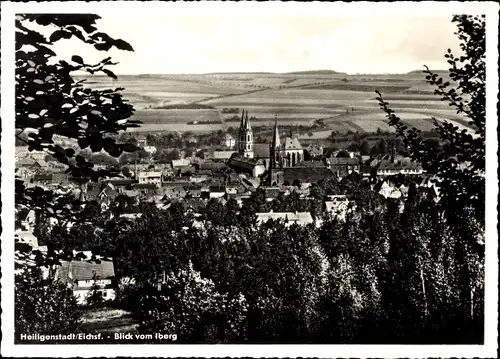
(301, 179)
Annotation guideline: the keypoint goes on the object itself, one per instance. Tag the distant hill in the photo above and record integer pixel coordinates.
(315, 72)
(439, 72)
(240, 73)
(308, 72)
(183, 106)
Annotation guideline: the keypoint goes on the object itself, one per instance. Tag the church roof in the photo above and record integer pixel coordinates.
(244, 163)
(292, 143)
(311, 164)
(306, 174)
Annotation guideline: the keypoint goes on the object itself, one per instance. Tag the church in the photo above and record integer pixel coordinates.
(279, 163)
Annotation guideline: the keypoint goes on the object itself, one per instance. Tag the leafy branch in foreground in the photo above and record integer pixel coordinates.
(459, 161)
(51, 103)
(58, 115)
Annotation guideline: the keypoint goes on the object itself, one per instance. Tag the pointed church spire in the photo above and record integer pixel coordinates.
(247, 121)
(276, 135)
(242, 122)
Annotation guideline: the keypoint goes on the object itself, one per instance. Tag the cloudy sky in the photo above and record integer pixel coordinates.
(237, 37)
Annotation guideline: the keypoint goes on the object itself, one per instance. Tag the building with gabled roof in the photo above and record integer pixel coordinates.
(289, 218)
(343, 166)
(150, 177)
(228, 141)
(81, 276)
(253, 166)
(221, 155)
(181, 163)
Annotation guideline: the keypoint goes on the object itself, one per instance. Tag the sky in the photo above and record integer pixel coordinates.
(275, 38)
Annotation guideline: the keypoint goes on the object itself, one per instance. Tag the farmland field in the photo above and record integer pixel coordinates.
(344, 102)
(176, 116)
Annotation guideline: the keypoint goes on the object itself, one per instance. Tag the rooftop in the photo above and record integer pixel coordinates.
(181, 163)
(340, 161)
(311, 164)
(290, 217)
(292, 143)
(83, 270)
(306, 174)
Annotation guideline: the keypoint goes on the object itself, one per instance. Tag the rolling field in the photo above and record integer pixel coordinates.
(176, 116)
(343, 102)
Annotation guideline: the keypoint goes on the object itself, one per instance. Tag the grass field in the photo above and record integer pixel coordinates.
(345, 102)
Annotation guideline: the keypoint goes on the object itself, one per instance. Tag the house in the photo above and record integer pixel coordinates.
(217, 191)
(194, 193)
(172, 192)
(103, 193)
(300, 218)
(25, 173)
(314, 151)
(120, 182)
(343, 166)
(21, 152)
(81, 276)
(197, 178)
(131, 216)
(146, 188)
(404, 167)
(228, 141)
(42, 178)
(25, 162)
(152, 177)
(191, 139)
(253, 166)
(271, 193)
(27, 236)
(337, 206)
(221, 155)
(150, 149)
(389, 191)
(186, 171)
(181, 163)
(303, 176)
(141, 142)
(213, 166)
(233, 189)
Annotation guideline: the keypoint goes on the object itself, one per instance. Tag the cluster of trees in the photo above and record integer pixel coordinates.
(386, 275)
(230, 110)
(394, 271)
(378, 144)
(186, 140)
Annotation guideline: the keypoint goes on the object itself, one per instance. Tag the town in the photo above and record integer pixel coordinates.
(311, 207)
(236, 169)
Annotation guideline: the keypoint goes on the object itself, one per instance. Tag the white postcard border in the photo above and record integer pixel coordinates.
(361, 8)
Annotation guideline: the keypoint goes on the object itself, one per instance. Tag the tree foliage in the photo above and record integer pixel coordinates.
(52, 106)
(458, 162)
(43, 308)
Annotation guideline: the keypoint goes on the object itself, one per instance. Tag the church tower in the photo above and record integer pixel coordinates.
(275, 152)
(245, 137)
